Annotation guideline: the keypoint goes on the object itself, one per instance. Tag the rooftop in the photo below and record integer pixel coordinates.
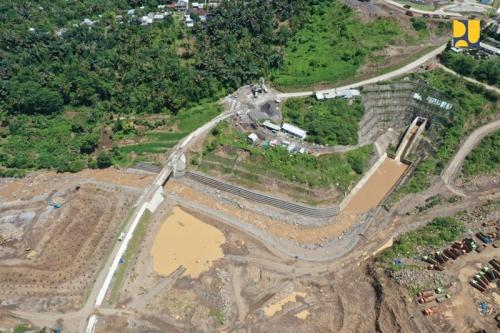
(294, 130)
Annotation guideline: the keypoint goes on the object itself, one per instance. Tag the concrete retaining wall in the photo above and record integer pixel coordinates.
(318, 212)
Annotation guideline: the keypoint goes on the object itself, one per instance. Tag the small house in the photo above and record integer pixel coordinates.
(182, 5)
(252, 138)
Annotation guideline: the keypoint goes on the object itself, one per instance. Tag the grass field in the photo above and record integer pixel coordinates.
(328, 122)
(331, 46)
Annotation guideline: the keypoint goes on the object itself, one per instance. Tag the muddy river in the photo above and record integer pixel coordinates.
(376, 187)
(184, 240)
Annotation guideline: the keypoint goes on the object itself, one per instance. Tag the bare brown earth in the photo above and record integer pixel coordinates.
(51, 255)
(251, 289)
(275, 227)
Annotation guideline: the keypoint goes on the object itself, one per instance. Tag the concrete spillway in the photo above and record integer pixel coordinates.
(410, 138)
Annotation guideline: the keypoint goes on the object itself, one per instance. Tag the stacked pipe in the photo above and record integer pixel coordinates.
(489, 237)
(482, 279)
(496, 265)
(425, 296)
(438, 259)
(429, 311)
(433, 263)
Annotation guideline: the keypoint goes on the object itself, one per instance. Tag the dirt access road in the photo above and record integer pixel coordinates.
(486, 86)
(472, 141)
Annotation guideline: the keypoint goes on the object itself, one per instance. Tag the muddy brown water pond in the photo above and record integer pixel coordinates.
(376, 187)
(184, 240)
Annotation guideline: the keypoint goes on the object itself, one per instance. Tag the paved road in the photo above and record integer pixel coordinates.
(486, 86)
(398, 72)
(454, 166)
(442, 10)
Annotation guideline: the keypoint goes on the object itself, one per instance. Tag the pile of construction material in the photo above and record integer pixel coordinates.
(490, 237)
(438, 259)
(428, 296)
(486, 275)
(334, 93)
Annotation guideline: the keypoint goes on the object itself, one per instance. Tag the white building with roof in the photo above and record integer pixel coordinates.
(334, 93)
(271, 126)
(252, 137)
(294, 130)
(489, 48)
(182, 5)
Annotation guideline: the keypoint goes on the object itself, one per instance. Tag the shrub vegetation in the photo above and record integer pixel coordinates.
(485, 158)
(436, 234)
(329, 122)
(484, 70)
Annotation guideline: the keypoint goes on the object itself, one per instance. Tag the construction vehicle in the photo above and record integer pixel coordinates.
(54, 204)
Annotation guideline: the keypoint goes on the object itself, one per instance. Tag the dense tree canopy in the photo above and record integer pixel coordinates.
(51, 59)
(485, 70)
(62, 79)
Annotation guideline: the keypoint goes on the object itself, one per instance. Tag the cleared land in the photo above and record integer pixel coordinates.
(51, 255)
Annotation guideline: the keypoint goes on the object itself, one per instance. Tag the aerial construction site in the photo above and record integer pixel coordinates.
(249, 166)
(221, 240)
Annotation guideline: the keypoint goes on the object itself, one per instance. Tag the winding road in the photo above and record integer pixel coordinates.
(466, 78)
(472, 141)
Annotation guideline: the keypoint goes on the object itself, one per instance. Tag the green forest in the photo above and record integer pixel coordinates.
(62, 81)
(328, 122)
(486, 70)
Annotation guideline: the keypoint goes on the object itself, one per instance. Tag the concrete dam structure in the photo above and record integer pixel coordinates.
(395, 105)
(406, 107)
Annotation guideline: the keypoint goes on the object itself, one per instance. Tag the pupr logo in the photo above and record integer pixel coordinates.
(466, 33)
